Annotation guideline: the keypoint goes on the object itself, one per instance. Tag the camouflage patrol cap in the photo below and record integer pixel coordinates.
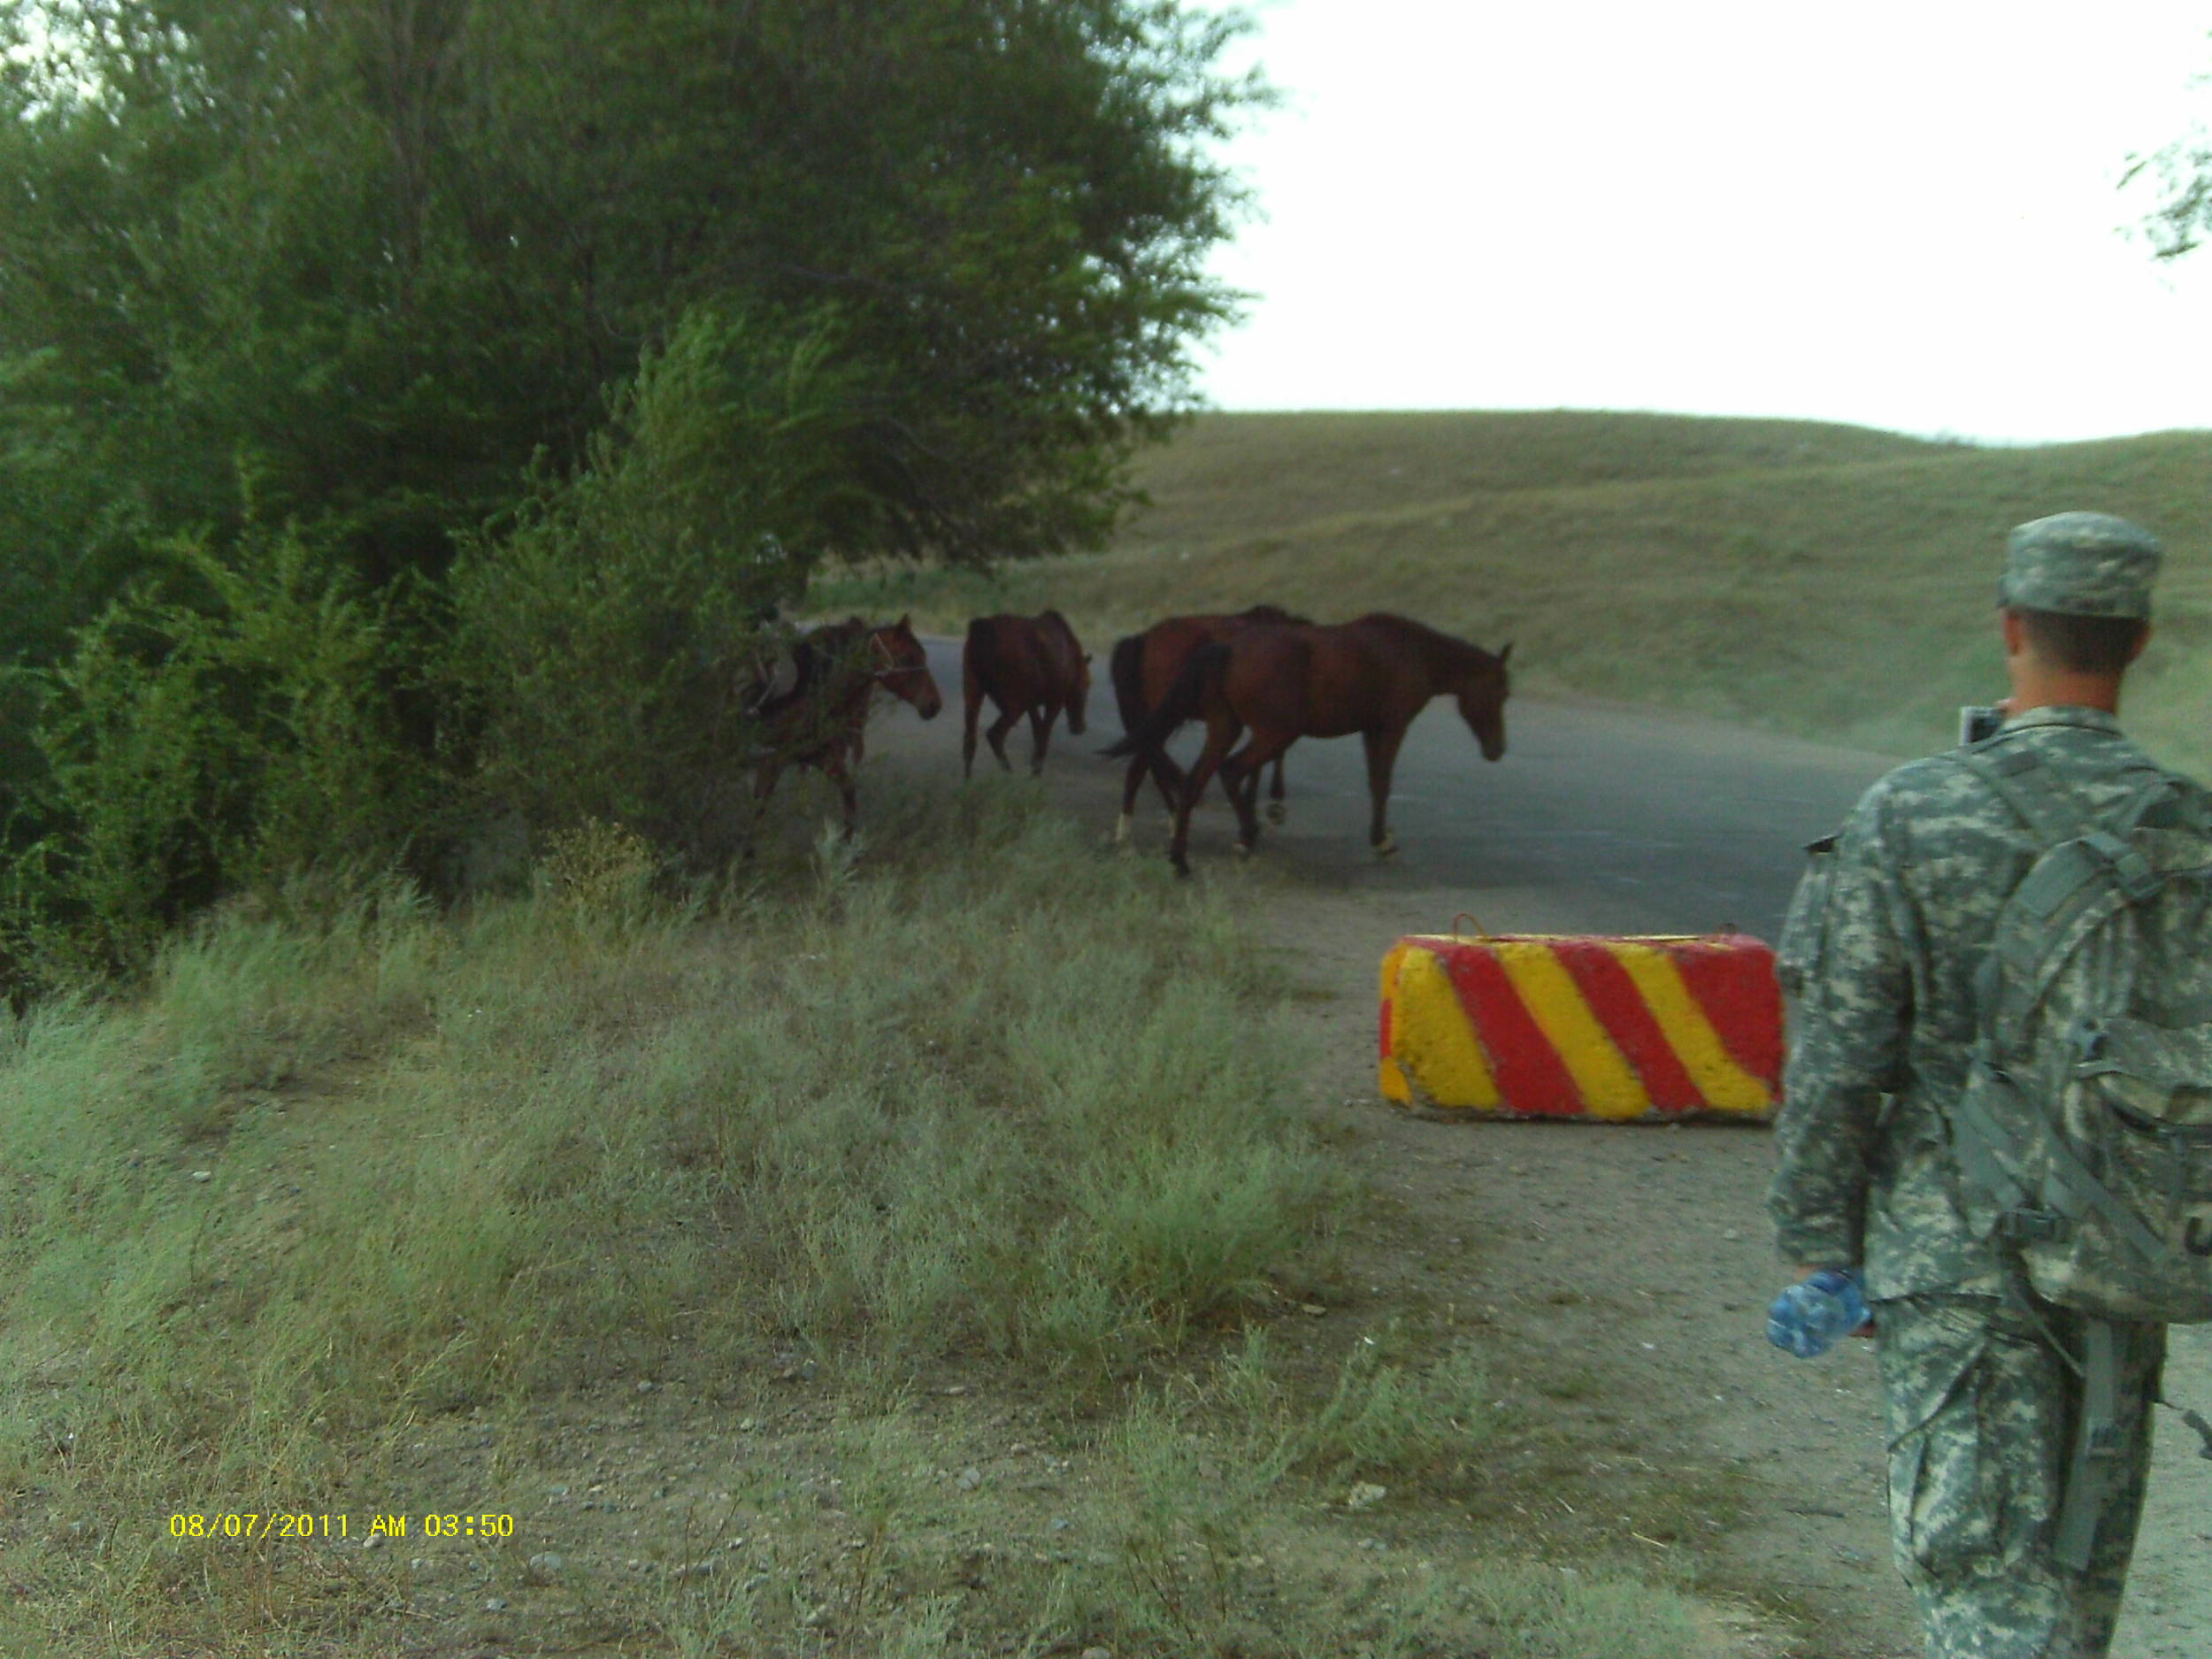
(2085, 563)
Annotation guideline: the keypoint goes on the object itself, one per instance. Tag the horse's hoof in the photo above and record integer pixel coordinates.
(1122, 826)
(1243, 850)
(1276, 811)
(1387, 848)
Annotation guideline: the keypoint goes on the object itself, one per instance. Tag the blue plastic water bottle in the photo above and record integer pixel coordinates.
(1811, 1314)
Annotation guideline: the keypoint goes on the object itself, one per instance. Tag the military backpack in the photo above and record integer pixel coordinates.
(2084, 1135)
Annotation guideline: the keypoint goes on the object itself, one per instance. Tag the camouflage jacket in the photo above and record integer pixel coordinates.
(1887, 931)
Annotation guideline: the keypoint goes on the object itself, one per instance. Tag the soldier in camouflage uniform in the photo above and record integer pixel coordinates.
(1980, 1388)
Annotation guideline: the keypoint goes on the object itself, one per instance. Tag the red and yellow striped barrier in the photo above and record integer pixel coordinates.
(1560, 1026)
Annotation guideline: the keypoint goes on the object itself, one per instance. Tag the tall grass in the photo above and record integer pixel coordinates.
(979, 1092)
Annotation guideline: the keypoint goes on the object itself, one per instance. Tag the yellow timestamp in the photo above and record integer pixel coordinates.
(280, 1524)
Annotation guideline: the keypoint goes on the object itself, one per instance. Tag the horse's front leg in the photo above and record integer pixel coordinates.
(1382, 757)
(765, 778)
(1131, 781)
(1276, 810)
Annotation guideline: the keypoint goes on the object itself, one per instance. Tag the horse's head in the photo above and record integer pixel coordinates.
(902, 667)
(1482, 695)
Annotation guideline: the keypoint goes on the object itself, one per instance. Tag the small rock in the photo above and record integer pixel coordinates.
(417, 1564)
(557, 1492)
(1365, 1495)
(1313, 1308)
(497, 1604)
(745, 1426)
(203, 1175)
(548, 1563)
(1731, 1233)
(374, 1540)
(971, 1477)
(957, 1389)
(1060, 1523)
(1098, 1653)
(644, 1387)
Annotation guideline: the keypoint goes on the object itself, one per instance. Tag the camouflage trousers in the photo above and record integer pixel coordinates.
(1980, 1410)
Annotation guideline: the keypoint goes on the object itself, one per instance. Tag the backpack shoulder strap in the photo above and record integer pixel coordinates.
(2024, 781)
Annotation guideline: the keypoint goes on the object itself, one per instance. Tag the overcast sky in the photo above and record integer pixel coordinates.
(1898, 215)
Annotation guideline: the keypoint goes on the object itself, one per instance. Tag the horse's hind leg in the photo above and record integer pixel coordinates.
(1240, 779)
(972, 697)
(1041, 721)
(996, 735)
(1276, 810)
(1221, 735)
(1168, 776)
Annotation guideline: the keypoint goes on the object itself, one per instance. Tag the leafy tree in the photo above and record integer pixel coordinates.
(681, 296)
(388, 250)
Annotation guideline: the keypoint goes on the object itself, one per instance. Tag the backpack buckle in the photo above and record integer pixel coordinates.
(2033, 1226)
(2130, 869)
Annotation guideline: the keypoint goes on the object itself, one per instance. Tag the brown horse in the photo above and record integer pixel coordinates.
(820, 718)
(1031, 665)
(1371, 677)
(1144, 666)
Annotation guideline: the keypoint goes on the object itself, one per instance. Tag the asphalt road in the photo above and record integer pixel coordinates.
(1598, 820)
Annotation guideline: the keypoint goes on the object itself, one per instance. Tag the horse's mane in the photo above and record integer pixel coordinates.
(1435, 639)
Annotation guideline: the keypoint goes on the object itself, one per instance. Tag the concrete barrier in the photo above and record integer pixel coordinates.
(1576, 1026)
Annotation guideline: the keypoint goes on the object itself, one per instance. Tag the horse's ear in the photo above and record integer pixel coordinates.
(1505, 653)
(903, 619)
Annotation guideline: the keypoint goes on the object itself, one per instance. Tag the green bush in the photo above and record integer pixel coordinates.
(193, 749)
(605, 641)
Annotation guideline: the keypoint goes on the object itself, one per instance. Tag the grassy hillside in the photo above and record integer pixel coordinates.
(1824, 580)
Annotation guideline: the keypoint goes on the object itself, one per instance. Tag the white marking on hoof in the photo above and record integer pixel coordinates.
(1387, 848)
(1121, 828)
(1243, 850)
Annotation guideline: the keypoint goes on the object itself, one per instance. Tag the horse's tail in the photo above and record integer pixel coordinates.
(979, 660)
(1127, 668)
(1179, 704)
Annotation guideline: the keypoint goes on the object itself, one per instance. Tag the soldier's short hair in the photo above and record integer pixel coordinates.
(2083, 645)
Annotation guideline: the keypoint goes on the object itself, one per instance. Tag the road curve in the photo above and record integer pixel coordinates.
(1598, 820)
